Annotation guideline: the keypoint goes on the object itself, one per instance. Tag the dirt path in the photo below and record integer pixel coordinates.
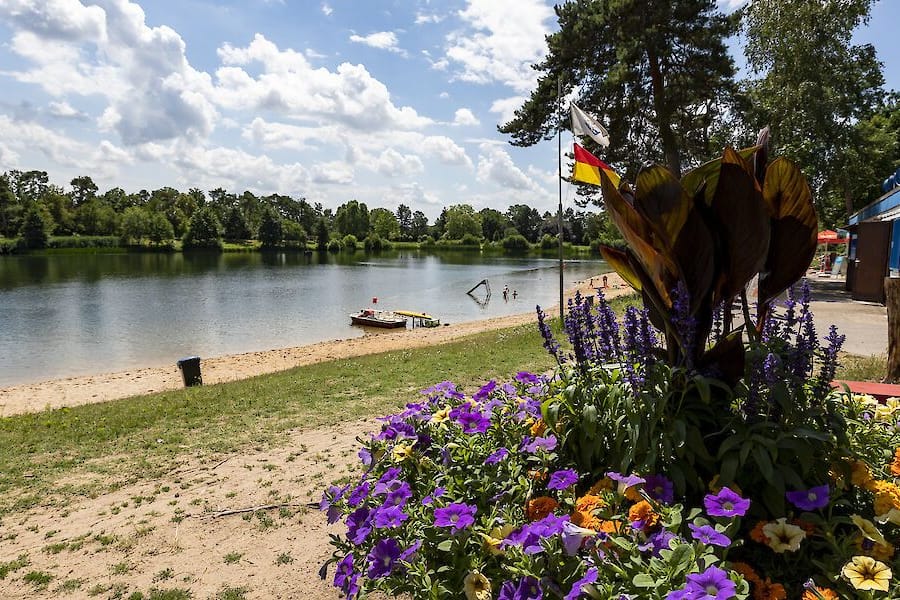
(75, 391)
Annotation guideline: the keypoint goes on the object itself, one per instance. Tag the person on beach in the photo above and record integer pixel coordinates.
(515, 294)
(605, 284)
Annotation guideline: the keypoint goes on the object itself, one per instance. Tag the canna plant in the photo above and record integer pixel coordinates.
(700, 241)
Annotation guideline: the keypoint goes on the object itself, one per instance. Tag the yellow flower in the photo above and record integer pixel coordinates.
(493, 539)
(885, 412)
(895, 464)
(440, 416)
(873, 549)
(601, 485)
(538, 428)
(887, 496)
(819, 593)
(477, 586)
(868, 529)
(866, 573)
(781, 536)
(403, 451)
(892, 516)
(864, 399)
(860, 474)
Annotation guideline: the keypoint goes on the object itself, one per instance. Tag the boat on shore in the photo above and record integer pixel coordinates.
(378, 318)
(420, 319)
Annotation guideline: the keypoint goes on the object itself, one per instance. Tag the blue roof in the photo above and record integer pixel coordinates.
(882, 205)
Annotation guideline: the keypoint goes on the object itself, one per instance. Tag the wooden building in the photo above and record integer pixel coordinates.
(874, 251)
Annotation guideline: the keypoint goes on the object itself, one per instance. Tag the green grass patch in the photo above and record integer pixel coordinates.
(14, 565)
(232, 593)
(39, 579)
(862, 368)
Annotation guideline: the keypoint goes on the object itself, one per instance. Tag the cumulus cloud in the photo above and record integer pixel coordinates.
(446, 150)
(235, 169)
(383, 40)
(332, 172)
(62, 20)
(464, 116)
(282, 136)
(496, 166)
(496, 48)
(413, 195)
(64, 110)
(422, 18)
(729, 6)
(288, 84)
(505, 108)
(394, 164)
(327, 10)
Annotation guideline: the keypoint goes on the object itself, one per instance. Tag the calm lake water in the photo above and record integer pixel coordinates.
(65, 315)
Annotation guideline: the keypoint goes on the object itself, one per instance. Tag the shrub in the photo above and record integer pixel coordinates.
(294, 232)
(349, 242)
(549, 242)
(470, 240)
(204, 230)
(36, 228)
(334, 246)
(515, 242)
(271, 231)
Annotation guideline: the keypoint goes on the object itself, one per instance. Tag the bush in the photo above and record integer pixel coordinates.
(294, 232)
(271, 231)
(549, 242)
(470, 240)
(83, 241)
(10, 246)
(374, 243)
(516, 243)
(349, 242)
(426, 240)
(334, 246)
(36, 228)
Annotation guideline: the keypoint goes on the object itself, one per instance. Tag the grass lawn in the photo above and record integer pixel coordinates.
(54, 455)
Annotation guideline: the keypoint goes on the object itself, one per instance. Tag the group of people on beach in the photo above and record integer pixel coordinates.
(515, 294)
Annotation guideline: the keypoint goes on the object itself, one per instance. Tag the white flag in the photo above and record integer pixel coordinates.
(582, 124)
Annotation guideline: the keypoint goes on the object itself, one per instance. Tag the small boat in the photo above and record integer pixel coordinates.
(420, 319)
(378, 318)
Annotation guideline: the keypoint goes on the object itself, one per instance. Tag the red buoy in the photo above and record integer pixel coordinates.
(374, 299)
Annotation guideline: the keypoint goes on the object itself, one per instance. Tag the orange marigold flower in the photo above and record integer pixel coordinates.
(826, 593)
(538, 428)
(758, 535)
(643, 512)
(601, 486)
(766, 590)
(589, 503)
(895, 466)
(806, 526)
(540, 507)
(586, 519)
(610, 526)
(860, 474)
(746, 571)
(887, 496)
(537, 475)
(632, 493)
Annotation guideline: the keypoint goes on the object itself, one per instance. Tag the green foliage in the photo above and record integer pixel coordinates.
(334, 246)
(349, 243)
(461, 219)
(373, 243)
(36, 228)
(236, 227)
(294, 232)
(470, 240)
(813, 113)
(549, 242)
(204, 230)
(271, 232)
(159, 229)
(515, 243)
(384, 224)
(622, 63)
(352, 218)
(322, 235)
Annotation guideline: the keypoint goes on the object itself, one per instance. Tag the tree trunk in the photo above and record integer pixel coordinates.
(670, 145)
(892, 301)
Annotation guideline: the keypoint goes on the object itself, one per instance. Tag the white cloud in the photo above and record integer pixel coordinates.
(393, 164)
(506, 108)
(332, 172)
(412, 195)
(282, 136)
(327, 10)
(446, 150)
(464, 116)
(233, 169)
(422, 18)
(729, 6)
(63, 20)
(383, 40)
(496, 166)
(289, 85)
(498, 48)
(9, 159)
(64, 110)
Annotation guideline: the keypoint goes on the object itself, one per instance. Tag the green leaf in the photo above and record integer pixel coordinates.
(708, 174)
(663, 203)
(643, 580)
(764, 462)
(618, 260)
(728, 468)
(445, 546)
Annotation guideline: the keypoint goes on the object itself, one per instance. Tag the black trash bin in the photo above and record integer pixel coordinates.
(190, 371)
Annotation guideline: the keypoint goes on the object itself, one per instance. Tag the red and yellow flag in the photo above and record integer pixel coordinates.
(587, 168)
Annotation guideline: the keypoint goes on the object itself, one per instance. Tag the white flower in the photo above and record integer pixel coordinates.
(783, 536)
(477, 586)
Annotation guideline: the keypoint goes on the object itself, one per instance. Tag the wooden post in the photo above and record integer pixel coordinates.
(892, 302)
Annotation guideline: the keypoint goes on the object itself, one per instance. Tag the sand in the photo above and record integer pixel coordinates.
(75, 391)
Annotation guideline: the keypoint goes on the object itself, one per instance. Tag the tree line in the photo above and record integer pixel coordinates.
(33, 209)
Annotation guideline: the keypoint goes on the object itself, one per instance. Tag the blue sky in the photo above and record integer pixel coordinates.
(384, 102)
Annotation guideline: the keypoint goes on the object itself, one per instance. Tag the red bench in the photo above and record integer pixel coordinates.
(880, 391)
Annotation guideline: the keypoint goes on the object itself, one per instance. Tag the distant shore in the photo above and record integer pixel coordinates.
(88, 389)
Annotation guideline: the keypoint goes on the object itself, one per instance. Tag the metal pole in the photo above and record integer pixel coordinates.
(560, 215)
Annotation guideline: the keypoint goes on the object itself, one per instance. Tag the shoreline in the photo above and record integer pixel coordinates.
(103, 387)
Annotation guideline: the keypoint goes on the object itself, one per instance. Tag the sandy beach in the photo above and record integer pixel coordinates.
(87, 389)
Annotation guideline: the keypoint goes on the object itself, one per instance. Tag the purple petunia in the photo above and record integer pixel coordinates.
(365, 456)
(657, 542)
(410, 553)
(547, 443)
(387, 517)
(660, 488)
(725, 504)
(589, 578)
(470, 418)
(485, 391)
(458, 516)
(708, 535)
(399, 495)
(345, 577)
(560, 480)
(359, 525)
(811, 499)
(529, 536)
(437, 493)
(383, 557)
(711, 584)
(359, 493)
(527, 588)
(624, 481)
(573, 537)
(497, 456)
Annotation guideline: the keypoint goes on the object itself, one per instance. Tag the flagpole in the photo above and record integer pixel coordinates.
(560, 215)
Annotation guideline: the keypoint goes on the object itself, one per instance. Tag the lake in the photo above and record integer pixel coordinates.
(79, 314)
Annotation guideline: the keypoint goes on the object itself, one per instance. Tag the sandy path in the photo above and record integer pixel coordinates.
(74, 391)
